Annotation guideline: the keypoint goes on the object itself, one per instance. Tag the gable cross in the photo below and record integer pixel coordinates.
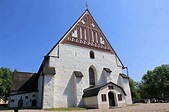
(86, 6)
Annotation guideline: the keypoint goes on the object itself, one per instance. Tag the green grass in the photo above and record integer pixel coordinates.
(136, 104)
(65, 109)
(5, 108)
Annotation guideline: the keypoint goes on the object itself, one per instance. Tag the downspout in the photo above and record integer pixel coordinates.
(54, 56)
(126, 70)
(42, 96)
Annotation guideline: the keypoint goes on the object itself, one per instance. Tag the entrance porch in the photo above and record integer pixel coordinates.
(108, 95)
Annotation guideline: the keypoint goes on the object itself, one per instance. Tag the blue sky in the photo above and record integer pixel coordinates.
(138, 30)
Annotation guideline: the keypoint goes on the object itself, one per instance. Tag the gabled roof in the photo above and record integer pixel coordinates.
(30, 85)
(93, 91)
(85, 32)
(64, 34)
(24, 81)
(19, 78)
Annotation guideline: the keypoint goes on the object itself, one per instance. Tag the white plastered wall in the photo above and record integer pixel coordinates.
(115, 91)
(91, 102)
(40, 86)
(48, 92)
(26, 97)
(78, 92)
(127, 90)
(74, 58)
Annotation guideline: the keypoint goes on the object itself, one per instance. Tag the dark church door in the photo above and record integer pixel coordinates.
(111, 99)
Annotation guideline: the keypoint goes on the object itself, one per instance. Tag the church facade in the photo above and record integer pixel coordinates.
(81, 70)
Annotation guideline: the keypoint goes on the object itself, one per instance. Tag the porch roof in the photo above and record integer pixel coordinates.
(93, 91)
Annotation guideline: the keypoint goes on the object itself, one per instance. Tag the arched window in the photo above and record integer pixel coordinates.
(91, 54)
(91, 76)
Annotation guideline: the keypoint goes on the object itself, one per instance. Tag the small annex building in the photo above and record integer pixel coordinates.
(81, 70)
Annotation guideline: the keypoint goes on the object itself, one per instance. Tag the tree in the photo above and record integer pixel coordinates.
(134, 89)
(155, 83)
(5, 81)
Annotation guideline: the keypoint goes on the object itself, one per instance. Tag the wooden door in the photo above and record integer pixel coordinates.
(111, 99)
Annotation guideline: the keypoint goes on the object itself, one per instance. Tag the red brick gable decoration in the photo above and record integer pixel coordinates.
(86, 33)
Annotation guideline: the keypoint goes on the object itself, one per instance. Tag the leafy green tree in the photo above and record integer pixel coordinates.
(5, 81)
(155, 83)
(134, 89)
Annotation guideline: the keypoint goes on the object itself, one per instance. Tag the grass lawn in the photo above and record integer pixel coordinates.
(5, 108)
(65, 109)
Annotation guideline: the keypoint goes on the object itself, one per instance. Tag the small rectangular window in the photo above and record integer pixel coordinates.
(110, 87)
(12, 100)
(26, 97)
(119, 97)
(103, 97)
(92, 55)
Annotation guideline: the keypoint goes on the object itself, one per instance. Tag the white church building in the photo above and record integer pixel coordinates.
(81, 70)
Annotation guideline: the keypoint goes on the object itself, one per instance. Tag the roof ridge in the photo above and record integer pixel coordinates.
(24, 72)
(66, 32)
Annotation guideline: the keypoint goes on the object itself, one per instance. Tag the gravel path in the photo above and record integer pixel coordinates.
(152, 107)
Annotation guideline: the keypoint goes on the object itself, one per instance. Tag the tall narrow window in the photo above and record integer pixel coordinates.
(91, 76)
(103, 97)
(91, 54)
(119, 97)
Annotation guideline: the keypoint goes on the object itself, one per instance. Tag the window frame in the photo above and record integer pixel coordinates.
(120, 97)
(91, 76)
(110, 87)
(103, 98)
(92, 55)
